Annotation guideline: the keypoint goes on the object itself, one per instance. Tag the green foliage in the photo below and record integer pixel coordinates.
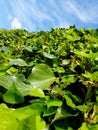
(49, 80)
(41, 77)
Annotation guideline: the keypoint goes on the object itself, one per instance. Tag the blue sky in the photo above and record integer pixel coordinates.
(34, 15)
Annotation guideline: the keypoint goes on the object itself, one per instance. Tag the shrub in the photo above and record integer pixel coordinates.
(48, 80)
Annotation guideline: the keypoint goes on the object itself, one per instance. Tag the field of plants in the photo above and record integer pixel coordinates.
(49, 80)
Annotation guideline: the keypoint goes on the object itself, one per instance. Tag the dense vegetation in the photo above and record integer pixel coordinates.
(49, 80)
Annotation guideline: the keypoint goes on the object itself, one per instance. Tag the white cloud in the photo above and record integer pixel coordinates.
(34, 14)
(31, 13)
(9, 17)
(16, 24)
(86, 12)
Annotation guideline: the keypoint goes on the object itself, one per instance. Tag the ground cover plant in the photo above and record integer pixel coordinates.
(49, 79)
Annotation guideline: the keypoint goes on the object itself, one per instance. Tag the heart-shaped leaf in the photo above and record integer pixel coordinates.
(6, 81)
(37, 92)
(13, 96)
(41, 77)
(19, 62)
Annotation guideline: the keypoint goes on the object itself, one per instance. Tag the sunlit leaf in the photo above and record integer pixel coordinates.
(95, 108)
(6, 81)
(91, 55)
(22, 87)
(86, 126)
(41, 77)
(28, 48)
(66, 62)
(50, 56)
(87, 74)
(94, 76)
(34, 122)
(24, 112)
(69, 101)
(81, 53)
(4, 67)
(54, 102)
(8, 120)
(13, 96)
(37, 92)
(18, 62)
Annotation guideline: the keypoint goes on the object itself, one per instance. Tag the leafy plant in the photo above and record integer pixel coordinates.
(49, 80)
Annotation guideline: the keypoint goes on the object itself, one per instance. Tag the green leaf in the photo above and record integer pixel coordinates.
(13, 96)
(95, 119)
(21, 119)
(6, 81)
(50, 56)
(28, 48)
(80, 108)
(69, 101)
(8, 120)
(62, 113)
(34, 122)
(75, 98)
(18, 62)
(81, 53)
(91, 55)
(49, 111)
(54, 102)
(96, 108)
(25, 112)
(4, 48)
(94, 76)
(41, 77)
(68, 79)
(66, 62)
(58, 128)
(87, 74)
(86, 126)
(20, 84)
(37, 92)
(39, 123)
(52, 105)
(4, 67)
(2, 73)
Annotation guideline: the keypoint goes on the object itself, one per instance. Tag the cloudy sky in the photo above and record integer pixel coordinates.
(34, 15)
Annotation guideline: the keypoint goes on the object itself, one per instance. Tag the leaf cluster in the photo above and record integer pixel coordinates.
(49, 80)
